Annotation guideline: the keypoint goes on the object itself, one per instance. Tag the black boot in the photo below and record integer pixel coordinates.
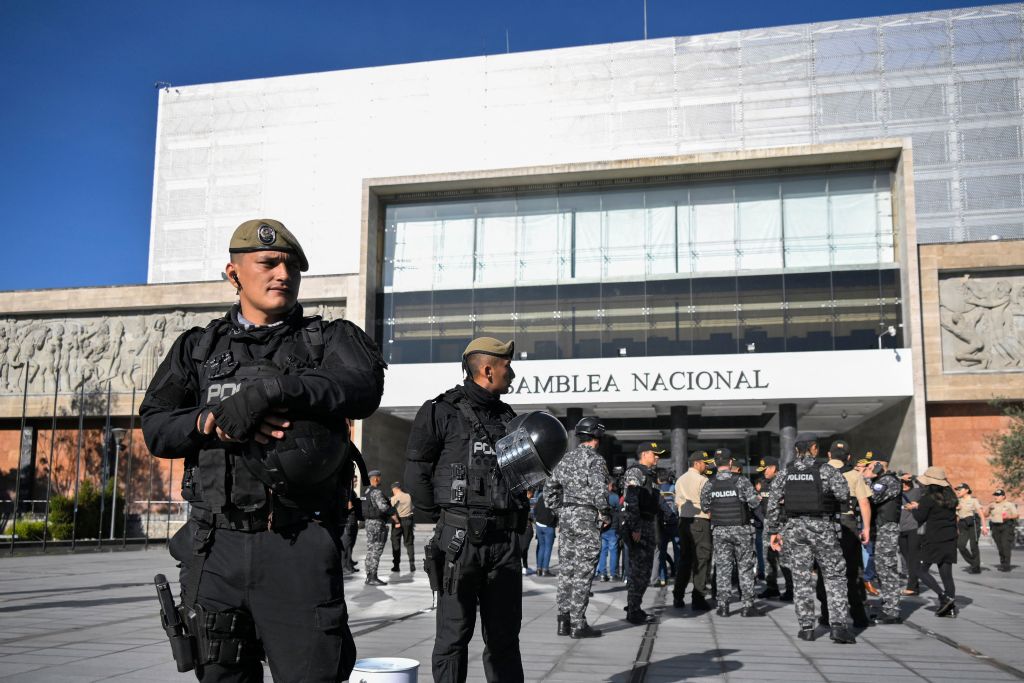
(806, 634)
(412, 566)
(723, 609)
(946, 605)
(842, 635)
(585, 631)
(563, 624)
(752, 611)
(699, 604)
(372, 580)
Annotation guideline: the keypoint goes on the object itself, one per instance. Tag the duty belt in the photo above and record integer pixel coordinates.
(580, 505)
(812, 515)
(461, 520)
(234, 519)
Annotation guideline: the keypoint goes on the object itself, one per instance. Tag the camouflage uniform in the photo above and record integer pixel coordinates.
(579, 483)
(733, 544)
(376, 530)
(806, 540)
(641, 553)
(887, 546)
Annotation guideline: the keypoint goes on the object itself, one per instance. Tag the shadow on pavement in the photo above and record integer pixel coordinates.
(691, 665)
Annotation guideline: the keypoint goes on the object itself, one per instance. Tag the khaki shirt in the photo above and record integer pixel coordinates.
(858, 487)
(968, 507)
(402, 502)
(688, 489)
(1001, 512)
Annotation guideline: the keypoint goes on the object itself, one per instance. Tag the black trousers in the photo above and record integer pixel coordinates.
(1002, 535)
(694, 556)
(291, 586)
(968, 536)
(402, 535)
(773, 567)
(910, 541)
(948, 588)
(349, 534)
(489, 578)
(849, 543)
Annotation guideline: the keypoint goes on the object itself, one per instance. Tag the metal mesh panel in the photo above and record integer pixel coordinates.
(843, 52)
(933, 196)
(847, 107)
(980, 40)
(985, 144)
(920, 45)
(988, 96)
(993, 192)
(930, 149)
(917, 102)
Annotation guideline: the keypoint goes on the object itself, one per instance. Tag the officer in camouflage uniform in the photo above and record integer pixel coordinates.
(886, 505)
(811, 493)
(729, 498)
(639, 517)
(379, 515)
(577, 489)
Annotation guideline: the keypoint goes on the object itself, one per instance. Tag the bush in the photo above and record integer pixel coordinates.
(30, 530)
(88, 524)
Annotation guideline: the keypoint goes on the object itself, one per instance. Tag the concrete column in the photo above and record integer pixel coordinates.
(764, 444)
(787, 432)
(677, 421)
(572, 416)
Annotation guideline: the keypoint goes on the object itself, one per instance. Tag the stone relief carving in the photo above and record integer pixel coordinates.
(982, 319)
(124, 350)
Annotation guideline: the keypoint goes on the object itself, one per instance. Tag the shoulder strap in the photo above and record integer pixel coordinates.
(201, 352)
(313, 336)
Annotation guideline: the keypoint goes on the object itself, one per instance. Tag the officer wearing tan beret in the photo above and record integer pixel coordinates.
(1002, 522)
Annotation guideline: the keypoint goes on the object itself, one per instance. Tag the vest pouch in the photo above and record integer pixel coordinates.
(212, 478)
(248, 493)
(501, 496)
(191, 488)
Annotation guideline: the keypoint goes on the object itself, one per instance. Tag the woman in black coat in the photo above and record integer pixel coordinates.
(935, 513)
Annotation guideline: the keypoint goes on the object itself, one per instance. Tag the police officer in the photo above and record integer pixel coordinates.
(886, 505)
(769, 469)
(402, 532)
(474, 555)
(578, 485)
(261, 569)
(1002, 522)
(379, 515)
(852, 537)
(694, 535)
(639, 517)
(350, 529)
(811, 492)
(729, 498)
(970, 519)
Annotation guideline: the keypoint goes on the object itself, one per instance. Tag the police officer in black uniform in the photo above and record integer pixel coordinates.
(256, 406)
(474, 556)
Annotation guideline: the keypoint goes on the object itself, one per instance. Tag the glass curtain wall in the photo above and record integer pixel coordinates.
(711, 267)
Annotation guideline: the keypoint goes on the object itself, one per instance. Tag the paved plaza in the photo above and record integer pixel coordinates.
(92, 616)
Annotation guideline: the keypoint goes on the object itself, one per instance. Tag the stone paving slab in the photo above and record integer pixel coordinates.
(92, 616)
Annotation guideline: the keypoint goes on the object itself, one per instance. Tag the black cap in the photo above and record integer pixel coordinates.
(806, 437)
(725, 452)
(767, 462)
(698, 456)
(396, 484)
(373, 473)
(652, 446)
(963, 485)
(999, 492)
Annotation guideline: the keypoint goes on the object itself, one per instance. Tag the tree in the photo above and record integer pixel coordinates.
(1007, 449)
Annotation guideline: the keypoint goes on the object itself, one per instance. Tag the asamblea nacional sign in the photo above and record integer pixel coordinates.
(679, 379)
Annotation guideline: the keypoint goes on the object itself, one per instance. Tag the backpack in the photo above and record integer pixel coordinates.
(543, 514)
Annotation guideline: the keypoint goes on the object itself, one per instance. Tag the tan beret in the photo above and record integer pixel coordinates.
(266, 234)
(490, 346)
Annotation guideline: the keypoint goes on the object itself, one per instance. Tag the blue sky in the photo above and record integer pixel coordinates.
(78, 107)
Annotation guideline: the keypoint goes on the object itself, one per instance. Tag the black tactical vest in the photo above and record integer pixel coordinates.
(218, 482)
(648, 497)
(727, 509)
(889, 511)
(371, 511)
(467, 474)
(805, 493)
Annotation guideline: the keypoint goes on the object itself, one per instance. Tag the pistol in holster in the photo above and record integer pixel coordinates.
(183, 644)
(450, 576)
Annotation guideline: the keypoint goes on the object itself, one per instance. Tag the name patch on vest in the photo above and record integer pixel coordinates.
(221, 390)
(725, 494)
(800, 477)
(483, 447)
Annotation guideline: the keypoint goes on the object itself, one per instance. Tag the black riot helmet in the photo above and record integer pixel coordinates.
(309, 453)
(533, 444)
(590, 427)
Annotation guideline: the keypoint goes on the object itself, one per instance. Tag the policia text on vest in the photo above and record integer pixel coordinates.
(257, 406)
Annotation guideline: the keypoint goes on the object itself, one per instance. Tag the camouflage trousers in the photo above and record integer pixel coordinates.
(734, 546)
(376, 537)
(806, 540)
(887, 566)
(641, 561)
(578, 549)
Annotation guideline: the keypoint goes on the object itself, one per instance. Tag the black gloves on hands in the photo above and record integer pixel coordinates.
(240, 414)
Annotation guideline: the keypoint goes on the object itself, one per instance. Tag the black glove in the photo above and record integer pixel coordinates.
(241, 413)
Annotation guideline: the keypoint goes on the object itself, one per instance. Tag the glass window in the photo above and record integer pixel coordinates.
(761, 320)
(854, 219)
(495, 250)
(759, 207)
(493, 309)
(624, 311)
(539, 242)
(624, 223)
(662, 207)
(411, 327)
(453, 253)
(412, 269)
(537, 328)
(809, 316)
(858, 313)
(714, 315)
(891, 304)
(671, 319)
(805, 222)
(713, 227)
(581, 322)
(452, 328)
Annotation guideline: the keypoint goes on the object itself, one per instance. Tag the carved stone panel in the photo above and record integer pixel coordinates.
(123, 349)
(982, 317)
